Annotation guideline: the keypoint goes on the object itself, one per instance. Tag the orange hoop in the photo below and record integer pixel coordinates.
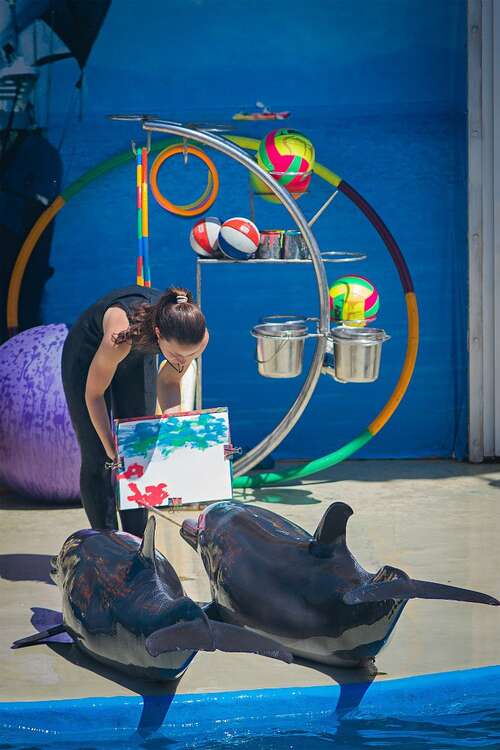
(204, 201)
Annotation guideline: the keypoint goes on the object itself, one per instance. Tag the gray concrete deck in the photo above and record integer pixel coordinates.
(438, 520)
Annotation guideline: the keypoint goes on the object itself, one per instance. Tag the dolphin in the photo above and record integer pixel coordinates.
(124, 605)
(305, 591)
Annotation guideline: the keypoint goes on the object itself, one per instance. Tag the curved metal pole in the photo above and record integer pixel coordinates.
(262, 449)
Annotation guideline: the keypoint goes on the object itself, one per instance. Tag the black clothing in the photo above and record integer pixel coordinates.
(132, 393)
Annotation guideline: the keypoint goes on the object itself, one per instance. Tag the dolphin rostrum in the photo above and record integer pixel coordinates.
(123, 603)
(306, 592)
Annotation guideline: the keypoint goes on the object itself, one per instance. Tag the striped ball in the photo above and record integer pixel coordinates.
(289, 157)
(239, 238)
(204, 235)
(354, 301)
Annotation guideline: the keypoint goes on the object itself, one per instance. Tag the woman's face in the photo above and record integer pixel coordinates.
(178, 353)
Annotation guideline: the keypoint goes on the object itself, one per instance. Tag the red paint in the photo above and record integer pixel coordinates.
(155, 494)
(134, 470)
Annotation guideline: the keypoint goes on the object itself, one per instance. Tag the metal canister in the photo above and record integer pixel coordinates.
(356, 353)
(280, 348)
(270, 244)
(294, 246)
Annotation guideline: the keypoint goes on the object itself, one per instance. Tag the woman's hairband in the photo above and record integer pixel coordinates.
(181, 298)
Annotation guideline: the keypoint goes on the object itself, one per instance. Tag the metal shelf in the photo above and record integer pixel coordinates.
(346, 257)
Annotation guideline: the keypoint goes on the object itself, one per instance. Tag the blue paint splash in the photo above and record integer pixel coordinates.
(199, 432)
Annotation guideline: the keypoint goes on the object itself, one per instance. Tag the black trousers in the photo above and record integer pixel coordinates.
(132, 394)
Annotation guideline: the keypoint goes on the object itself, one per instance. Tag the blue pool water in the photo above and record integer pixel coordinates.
(434, 712)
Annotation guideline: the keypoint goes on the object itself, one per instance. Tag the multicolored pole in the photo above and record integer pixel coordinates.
(143, 272)
(145, 219)
(140, 259)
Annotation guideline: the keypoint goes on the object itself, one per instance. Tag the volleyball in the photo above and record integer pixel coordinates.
(354, 301)
(288, 156)
(204, 235)
(238, 238)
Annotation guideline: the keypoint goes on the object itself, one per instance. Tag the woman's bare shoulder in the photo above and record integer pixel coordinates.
(114, 321)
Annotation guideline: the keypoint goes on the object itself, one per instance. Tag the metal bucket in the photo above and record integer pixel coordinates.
(294, 246)
(270, 244)
(280, 347)
(356, 353)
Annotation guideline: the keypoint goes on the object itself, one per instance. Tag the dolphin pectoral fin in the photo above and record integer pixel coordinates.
(413, 589)
(212, 611)
(43, 637)
(204, 635)
(194, 635)
(233, 638)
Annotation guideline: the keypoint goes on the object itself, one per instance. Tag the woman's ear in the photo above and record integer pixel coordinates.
(157, 332)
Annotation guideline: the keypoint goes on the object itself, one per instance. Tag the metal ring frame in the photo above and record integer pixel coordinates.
(316, 465)
(260, 451)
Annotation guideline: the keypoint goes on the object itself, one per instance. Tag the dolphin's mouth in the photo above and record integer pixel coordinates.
(189, 532)
(54, 569)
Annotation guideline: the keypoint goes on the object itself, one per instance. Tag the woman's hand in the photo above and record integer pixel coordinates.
(111, 453)
(172, 411)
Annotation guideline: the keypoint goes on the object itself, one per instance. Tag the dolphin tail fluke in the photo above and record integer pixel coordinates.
(413, 589)
(201, 635)
(36, 638)
(233, 638)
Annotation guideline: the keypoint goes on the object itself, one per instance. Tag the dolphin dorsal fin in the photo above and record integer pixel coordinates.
(332, 526)
(147, 548)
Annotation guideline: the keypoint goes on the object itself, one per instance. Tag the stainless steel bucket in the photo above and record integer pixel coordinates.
(356, 353)
(280, 347)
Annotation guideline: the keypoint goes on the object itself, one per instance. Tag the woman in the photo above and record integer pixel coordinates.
(109, 365)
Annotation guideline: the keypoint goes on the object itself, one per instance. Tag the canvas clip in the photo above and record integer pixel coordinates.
(230, 452)
(118, 464)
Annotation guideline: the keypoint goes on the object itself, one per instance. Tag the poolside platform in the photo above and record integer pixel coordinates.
(438, 520)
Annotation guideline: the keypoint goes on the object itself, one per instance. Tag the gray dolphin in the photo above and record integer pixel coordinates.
(123, 603)
(306, 592)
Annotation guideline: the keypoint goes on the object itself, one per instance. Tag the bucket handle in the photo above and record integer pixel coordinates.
(266, 361)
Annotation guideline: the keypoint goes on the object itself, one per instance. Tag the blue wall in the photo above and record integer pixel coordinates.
(380, 88)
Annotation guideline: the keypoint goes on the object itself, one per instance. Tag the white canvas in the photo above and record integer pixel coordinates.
(173, 460)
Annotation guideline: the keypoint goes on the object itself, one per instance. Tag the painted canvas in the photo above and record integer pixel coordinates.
(173, 460)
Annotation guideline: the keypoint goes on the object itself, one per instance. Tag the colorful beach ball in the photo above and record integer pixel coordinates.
(204, 235)
(239, 238)
(288, 156)
(354, 301)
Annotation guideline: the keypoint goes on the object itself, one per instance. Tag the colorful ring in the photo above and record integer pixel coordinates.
(209, 194)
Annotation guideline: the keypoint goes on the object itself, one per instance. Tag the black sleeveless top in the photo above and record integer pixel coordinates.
(86, 334)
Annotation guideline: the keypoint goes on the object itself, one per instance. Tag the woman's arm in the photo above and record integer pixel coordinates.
(101, 372)
(169, 391)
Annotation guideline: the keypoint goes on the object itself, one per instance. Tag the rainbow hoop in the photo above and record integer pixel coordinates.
(209, 194)
(261, 479)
